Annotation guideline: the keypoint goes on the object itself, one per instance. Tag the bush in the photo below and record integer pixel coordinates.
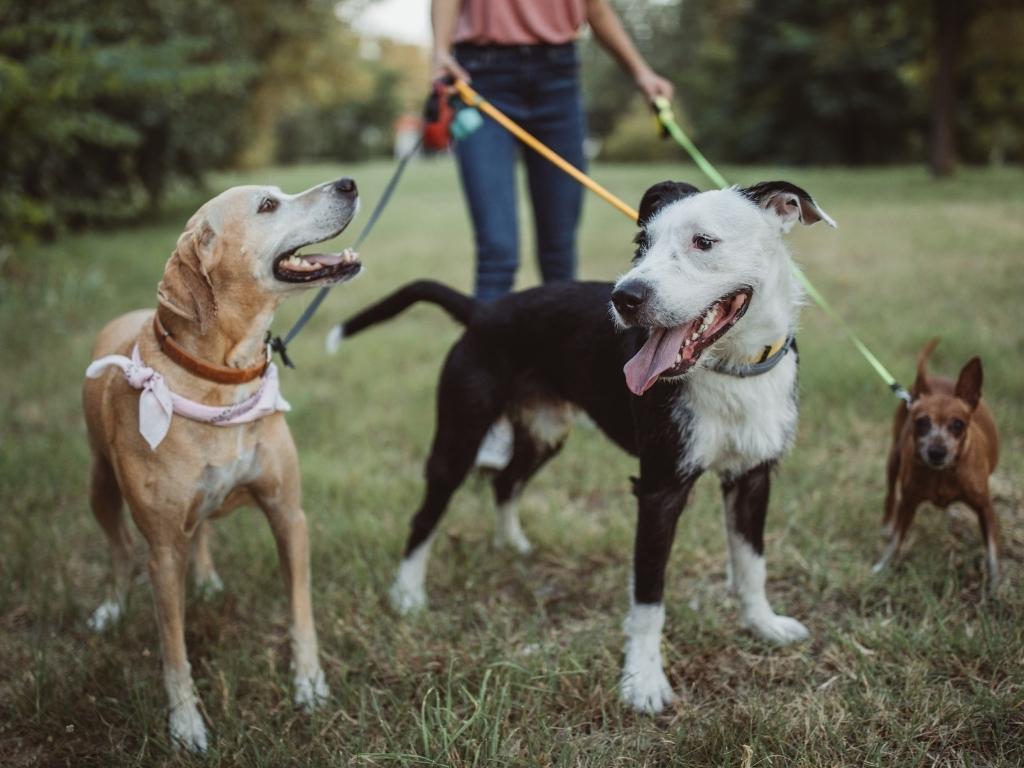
(104, 103)
(353, 129)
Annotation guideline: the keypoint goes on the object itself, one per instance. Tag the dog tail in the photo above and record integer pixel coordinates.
(458, 305)
(921, 382)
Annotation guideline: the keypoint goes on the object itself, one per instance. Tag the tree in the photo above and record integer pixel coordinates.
(104, 102)
(949, 19)
(829, 81)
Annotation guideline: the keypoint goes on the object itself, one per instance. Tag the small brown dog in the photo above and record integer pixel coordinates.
(945, 447)
(190, 426)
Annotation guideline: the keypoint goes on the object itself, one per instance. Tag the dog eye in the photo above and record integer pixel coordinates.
(703, 242)
(956, 426)
(267, 205)
(921, 425)
(642, 242)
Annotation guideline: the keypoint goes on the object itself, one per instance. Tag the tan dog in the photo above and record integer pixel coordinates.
(944, 450)
(232, 267)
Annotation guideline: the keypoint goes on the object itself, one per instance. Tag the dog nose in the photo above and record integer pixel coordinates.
(345, 186)
(936, 454)
(629, 297)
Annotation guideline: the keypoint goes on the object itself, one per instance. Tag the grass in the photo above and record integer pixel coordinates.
(517, 661)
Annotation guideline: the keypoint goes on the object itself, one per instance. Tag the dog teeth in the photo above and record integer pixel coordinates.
(679, 358)
(348, 256)
(709, 318)
(299, 264)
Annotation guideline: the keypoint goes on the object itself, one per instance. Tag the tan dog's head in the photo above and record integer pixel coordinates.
(940, 421)
(243, 245)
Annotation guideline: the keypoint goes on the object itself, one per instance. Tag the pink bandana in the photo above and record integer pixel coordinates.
(157, 403)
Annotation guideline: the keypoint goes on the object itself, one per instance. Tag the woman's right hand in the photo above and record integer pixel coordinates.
(445, 64)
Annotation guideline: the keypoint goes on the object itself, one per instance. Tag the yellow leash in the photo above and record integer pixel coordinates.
(474, 99)
(667, 120)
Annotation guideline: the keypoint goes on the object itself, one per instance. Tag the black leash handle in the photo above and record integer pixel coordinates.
(280, 345)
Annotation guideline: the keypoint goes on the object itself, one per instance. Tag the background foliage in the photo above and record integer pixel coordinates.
(817, 81)
(105, 104)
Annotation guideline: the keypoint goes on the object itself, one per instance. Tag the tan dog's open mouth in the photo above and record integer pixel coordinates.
(672, 352)
(293, 267)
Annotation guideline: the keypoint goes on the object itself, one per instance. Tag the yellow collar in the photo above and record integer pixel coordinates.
(762, 362)
(767, 352)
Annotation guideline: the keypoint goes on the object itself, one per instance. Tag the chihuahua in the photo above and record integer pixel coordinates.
(945, 447)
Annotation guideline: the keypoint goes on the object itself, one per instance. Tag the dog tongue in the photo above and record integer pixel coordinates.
(654, 357)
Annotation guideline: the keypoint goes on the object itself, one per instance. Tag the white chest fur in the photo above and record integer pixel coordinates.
(731, 424)
(216, 482)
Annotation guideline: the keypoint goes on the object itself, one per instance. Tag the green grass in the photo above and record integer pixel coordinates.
(517, 661)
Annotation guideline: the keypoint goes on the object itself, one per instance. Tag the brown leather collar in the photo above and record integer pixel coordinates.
(220, 374)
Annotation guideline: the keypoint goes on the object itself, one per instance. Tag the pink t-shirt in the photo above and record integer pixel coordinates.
(519, 22)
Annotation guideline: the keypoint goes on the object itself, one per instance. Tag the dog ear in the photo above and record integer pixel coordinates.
(787, 201)
(660, 195)
(186, 288)
(921, 380)
(968, 385)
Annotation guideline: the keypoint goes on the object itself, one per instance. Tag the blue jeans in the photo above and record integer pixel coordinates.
(536, 86)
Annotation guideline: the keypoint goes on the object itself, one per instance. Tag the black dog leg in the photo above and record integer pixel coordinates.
(467, 404)
(746, 506)
(644, 685)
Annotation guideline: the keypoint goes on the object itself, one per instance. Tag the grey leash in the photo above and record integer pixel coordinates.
(280, 345)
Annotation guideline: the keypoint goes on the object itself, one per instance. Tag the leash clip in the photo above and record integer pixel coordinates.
(277, 344)
(662, 108)
(902, 394)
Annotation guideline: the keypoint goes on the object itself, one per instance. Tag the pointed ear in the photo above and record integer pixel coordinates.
(186, 288)
(968, 386)
(787, 201)
(660, 195)
(921, 381)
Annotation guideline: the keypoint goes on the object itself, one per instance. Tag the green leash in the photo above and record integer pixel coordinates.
(668, 123)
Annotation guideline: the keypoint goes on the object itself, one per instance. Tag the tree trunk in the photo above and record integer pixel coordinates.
(948, 20)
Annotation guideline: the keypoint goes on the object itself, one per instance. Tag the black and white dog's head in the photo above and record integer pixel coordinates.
(704, 262)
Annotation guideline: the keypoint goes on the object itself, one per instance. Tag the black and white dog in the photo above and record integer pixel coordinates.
(702, 327)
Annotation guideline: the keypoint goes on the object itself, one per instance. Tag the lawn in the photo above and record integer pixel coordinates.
(517, 660)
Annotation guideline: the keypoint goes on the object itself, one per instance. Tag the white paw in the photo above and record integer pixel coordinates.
(105, 616)
(311, 691)
(515, 540)
(646, 689)
(880, 566)
(405, 599)
(187, 729)
(210, 585)
(781, 630)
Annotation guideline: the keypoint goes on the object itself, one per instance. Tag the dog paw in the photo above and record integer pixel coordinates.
(407, 600)
(311, 691)
(209, 586)
(781, 630)
(515, 540)
(187, 729)
(646, 689)
(105, 616)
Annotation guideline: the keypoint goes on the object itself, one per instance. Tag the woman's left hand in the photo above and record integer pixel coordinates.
(652, 85)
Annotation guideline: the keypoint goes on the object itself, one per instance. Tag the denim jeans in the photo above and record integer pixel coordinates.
(536, 86)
